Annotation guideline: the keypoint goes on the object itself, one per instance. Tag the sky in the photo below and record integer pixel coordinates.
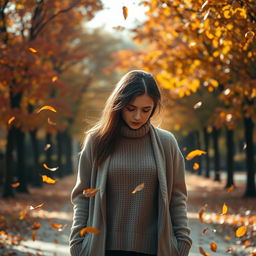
(112, 14)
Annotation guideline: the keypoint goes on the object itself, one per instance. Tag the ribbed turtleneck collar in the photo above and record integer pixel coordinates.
(126, 131)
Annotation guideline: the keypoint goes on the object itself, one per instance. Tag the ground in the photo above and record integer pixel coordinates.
(22, 235)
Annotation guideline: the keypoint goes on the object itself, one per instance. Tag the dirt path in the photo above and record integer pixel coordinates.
(57, 209)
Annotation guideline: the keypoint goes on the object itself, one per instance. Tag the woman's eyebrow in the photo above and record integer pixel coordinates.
(136, 106)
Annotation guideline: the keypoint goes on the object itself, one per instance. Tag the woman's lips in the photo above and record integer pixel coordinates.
(136, 123)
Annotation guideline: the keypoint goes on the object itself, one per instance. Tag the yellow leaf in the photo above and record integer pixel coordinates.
(224, 209)
(11, 120)
(48, 180)
(138, 188)
(60, 227)
(125, 12)
(249, 34)
(241, 231)
(196, 166)
(50, 169)
(54, 79)
(194, 153)
(32, 50)
(47, 107)
(89, 229)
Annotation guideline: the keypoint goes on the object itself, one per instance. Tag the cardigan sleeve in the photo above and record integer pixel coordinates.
(178, 204)
(80, 203)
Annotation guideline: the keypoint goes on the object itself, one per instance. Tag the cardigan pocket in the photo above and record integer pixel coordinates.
(85, 245)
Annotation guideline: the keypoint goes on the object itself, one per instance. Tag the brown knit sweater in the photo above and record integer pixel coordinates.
(132, 218)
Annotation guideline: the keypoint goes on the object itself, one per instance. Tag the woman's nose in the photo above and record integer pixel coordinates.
(137, 115)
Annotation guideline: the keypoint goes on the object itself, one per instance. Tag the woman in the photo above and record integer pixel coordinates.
(140, 208)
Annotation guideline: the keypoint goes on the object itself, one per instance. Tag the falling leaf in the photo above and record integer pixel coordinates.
(138, 188)
(23, 214)
(90, 192)
(198, 105)
(89, 229)
(227, 238)
(249, 34)
(224, 209)
(125, 12)
(11, 120)
(207, 14)
(201, 212)
(206, 229)
(194, 153)
(56, 241)
(247, 243)
(36, 226)
(201, 250)
(32, 50)
(54, 79)
(48, 180)
(196, 166)
(213, 246)
(31, 208)
(47, 107)
(241, 231)
(60, 227)
(50, 122)
(229, 250)
(231, 188)
(33, 236)
(15, 185)
(47, 146)
(50, 169)
(205, 3)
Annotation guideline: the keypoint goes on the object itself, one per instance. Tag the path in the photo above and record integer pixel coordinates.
(51, 242)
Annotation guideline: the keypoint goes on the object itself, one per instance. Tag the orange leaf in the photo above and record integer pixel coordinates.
(213, 247)
(32, 50)
(138, 188)
(194, 153)
(54, 79)
(34, 236)
(196, 166)
(48, 180)
(201, 250)
(50, 169)
(60, 227)
(15, 185)
(90, 192)
(50, 122)
(231, 188)
(241, 231)
(125, 12)
(23, 215)
(47, 107)
(224, 209)
(89, 229)
(36, 207)
(201, 212)
(11, 120)
(36, 226)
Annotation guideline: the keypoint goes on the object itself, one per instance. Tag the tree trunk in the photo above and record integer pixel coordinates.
(230, 157)
(206, 156)
(60, 171)
(21, 168)
(9, 163)
(49, 161)
(68, 153)
(216, 154)
(250, 184)
(36, 173)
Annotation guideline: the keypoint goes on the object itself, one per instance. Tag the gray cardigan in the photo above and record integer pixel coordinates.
(173, 230)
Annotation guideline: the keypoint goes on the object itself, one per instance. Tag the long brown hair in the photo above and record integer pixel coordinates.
(107, 130)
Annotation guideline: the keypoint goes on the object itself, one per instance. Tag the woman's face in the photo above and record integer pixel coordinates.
(138, 111)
